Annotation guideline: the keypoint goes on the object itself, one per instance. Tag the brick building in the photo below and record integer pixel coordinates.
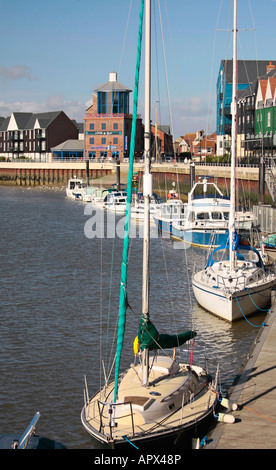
(108, 123)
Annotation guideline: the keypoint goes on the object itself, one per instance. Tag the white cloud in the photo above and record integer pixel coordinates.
(193, 114)
(73, 108)
(16, 72)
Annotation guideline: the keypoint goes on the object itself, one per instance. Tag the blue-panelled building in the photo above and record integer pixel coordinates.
(247, 72)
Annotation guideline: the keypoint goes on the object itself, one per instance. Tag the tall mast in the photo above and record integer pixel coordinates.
(233, 140)
(147, 181)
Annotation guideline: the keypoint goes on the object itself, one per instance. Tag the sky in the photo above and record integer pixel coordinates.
(55, 53)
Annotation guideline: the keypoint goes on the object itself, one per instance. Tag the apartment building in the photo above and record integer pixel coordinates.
(265, 115)
(247, 72)
(33, 135)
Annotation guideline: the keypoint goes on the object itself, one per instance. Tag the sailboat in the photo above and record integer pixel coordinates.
(234, 283)
(160, 400)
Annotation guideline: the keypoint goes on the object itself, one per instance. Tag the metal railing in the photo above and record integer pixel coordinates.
(270, 179)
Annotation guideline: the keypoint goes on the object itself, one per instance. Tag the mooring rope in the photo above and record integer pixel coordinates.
(261, 309)
(256, 326)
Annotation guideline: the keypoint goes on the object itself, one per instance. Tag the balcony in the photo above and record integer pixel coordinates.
(16, 136)
(13, 148)
(39, 135)
(227, 129)
(267, 142)
(227, 112)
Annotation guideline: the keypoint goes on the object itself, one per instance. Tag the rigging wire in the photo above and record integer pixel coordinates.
(157, 65)
(211, 76)
(125, 36)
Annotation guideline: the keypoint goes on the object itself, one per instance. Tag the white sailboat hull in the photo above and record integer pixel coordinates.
(231, 307)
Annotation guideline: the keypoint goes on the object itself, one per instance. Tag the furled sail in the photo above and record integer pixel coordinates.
(148, 337)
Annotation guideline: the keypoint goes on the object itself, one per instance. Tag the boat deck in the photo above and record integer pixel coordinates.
(134, 425)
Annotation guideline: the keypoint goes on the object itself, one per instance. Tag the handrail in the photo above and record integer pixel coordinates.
(111, 417)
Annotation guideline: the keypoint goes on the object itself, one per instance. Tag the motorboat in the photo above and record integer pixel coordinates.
(76, 188)
(115, 201)
(205, 220)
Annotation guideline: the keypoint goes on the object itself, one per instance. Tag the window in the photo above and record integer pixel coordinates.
(91, 140)
(103, 126)
(115, 126)
(269, 118)
(216, 215)
(202, 216)
(115, 140)
(91, 126)
(103, 140)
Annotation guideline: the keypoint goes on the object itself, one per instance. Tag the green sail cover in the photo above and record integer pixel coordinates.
(148, 337)
(123, 303)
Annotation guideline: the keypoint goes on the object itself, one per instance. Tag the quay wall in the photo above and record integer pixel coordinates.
(48, 174)
(246, 177)
(58, 173)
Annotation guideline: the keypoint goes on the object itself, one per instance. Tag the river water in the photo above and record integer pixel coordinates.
(60, 278)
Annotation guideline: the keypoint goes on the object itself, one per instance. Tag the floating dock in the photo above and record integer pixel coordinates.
(255, 393)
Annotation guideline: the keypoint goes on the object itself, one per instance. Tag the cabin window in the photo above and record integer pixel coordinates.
(216, 215)
(202, 216)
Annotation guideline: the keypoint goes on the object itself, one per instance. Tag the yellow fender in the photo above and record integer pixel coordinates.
(136, 346)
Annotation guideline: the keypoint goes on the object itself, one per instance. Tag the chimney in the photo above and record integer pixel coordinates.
(113, 76)
(270, 67)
